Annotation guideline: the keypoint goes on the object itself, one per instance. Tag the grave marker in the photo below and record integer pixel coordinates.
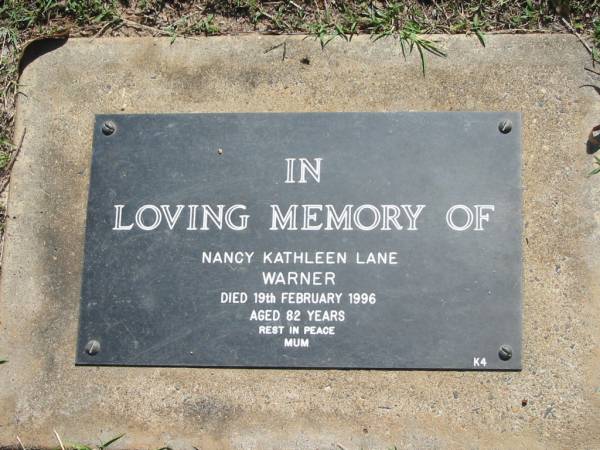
(344, 240)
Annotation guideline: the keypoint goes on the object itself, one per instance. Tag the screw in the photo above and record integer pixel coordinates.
(220, 151)
(505, 352)
(108, 128)
(92, 347)
(505, 126)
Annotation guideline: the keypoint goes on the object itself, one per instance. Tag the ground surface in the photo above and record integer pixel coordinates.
(553, 403)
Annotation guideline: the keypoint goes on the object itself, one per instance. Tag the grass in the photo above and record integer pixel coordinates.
(70, 446)
(4, 159)
(596, 169)
(102, 446)
(62, 446)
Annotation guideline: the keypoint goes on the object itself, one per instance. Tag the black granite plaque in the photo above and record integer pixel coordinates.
(345, 240)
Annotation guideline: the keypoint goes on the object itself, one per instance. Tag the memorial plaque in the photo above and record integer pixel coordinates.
(324, 240)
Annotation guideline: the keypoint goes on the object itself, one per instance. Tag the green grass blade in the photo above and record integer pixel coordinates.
(480, 37)
(78, 447)
(112, 441)
(594, 172)
(422, 58)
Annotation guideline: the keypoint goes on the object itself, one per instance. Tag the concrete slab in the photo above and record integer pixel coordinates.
(539, 75)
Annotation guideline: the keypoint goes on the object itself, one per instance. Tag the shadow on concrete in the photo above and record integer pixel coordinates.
(40, 47)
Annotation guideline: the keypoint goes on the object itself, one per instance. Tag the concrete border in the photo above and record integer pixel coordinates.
(538, 75)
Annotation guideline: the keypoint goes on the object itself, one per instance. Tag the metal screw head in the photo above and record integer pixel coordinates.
(505, 126)
(505, 352)
(92, 347)
(220, 151)
(108, 128)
